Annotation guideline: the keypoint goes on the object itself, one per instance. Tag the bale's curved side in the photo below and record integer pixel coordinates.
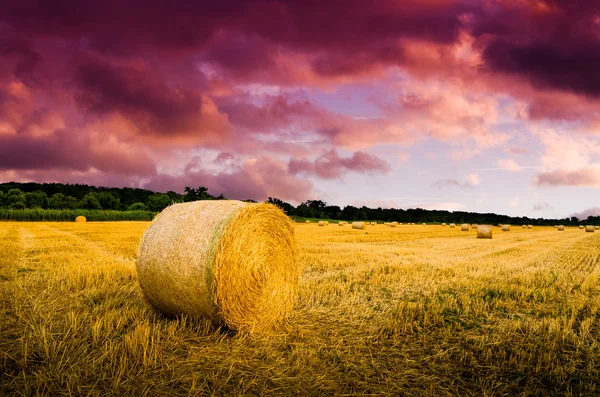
(231, 261)
(589, 229)
(359, 225)
(464, 227)
(484, 231)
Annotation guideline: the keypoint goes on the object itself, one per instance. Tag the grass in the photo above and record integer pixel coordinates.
(398, 311)
(47, 215)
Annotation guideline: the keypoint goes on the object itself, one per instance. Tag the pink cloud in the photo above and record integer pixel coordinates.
(588, 176)
(331, 166)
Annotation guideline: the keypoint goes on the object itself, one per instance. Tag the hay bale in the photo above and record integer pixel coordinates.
(560, 228)
(443, 224)
(484, 231)
(322, 223)
(555, 226)
(474, 226)
(506, 228)
(424, 224)
(529, 226)
(233, 262)
(373, 223)
(589, 229)
(464, 227)
(581, 226)
(452, 225)
(359, 225)
(81, 218)
(307, 221)
(524, 226)
(597, 228)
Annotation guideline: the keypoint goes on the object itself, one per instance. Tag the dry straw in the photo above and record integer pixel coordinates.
(359, 225)
(560, 228)
(233, 262)
(484, 231)
(464, 227)
(452, 225)
(80, 218)
(506, 228)
(589, 229)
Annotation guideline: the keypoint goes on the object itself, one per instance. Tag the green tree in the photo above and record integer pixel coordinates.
(137, 207)
(2, 199)
(60, 202)
(197, 194)
(37, 199)
(90, 202)
(108, 201)
(15, 199)
(158, 202)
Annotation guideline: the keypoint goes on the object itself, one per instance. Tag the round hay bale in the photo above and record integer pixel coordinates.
(560, 228)
(474, 226)
(506, 228)
(323, 223)
(524, 226)
(341, 223)
(555, 226)
(529, 226)
(464, 227)
(443, 224)
(581, 226)
(81, 218)
(373, 223)
(233, 262)
(424, 224)
(589, 229)
(484, 231)
(359, 225)
(307, 221)
(393, 224)
(597, 228)
(452, 225)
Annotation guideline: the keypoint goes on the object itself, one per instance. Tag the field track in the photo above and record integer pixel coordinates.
(411, 310)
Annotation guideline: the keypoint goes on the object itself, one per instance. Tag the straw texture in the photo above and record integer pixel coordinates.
(359, 225)
(233, 262)
(484, 231)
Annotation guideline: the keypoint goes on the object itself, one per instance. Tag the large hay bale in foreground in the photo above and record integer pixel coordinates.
(560, 228)
(81, 218)
(233, 262)
(464, 227)
(589, 229)
(506, 228)
(484, 231)
(452, 225)
(323, 223)
(359, 225)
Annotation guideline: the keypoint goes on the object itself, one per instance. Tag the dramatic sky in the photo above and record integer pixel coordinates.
(490, 105)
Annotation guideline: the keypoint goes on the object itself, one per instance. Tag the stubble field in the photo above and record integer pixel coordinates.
(412, 310)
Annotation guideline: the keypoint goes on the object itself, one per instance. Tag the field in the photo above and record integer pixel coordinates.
(412, 310)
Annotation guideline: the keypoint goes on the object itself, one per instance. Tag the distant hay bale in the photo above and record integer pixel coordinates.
(597, 228)
(373, 223)
(589, 229)
(529, 226)
(581, 226)
(474, 226)
(555, 226)
(506, 228)
(452, 225)
(484, 231)
(424, 224)
(81, 218)
(393, 224)
(231, 261)
(524, 226)
(307, 221)
(323, 223)
(464, 227)
(560, 228)
(359, 225)
(443, 224)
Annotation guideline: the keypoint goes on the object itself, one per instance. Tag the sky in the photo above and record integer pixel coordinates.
(483, 106)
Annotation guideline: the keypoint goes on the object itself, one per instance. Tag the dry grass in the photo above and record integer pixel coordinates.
(398, 311)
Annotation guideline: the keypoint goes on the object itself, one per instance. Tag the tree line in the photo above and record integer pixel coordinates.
(58, 196)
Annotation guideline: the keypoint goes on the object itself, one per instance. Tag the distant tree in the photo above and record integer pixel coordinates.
(305, 211)
(175, 197)
(201, 193)
(137, 207)
(90, 202)
(37, 199)
(316, 204)
(59, 201)
(158, 202)
(2, 199)
(108, 201)
(15, 199)
(288, 208)
(574, 219)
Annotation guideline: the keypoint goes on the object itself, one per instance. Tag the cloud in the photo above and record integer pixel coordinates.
(331, 166)
(595, 211)
(541, 207)
(470, 183)
(587, 176)
(513, 202)
(473, 178)
(509, 165)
